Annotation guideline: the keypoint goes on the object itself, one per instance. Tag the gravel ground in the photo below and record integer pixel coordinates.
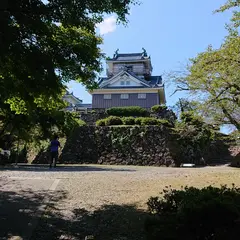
(109, 202)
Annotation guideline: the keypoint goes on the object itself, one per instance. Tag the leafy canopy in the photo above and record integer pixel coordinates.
(44, 44)
(213, 77)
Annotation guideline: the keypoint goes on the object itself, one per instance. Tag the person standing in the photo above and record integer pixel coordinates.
(55, 144)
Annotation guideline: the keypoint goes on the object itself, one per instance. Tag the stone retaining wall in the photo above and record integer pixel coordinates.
(135, 145)
(138, 145)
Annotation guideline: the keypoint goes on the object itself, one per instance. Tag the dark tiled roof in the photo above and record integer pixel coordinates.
(155, 80)
(71, 94)
(127, 87)
(86, 105)
(128, 57)
(152, 80)
(83, 105)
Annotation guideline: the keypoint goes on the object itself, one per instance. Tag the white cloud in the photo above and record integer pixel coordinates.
(108, 25)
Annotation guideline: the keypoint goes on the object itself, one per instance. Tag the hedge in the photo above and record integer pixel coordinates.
(128, 120)
(134, 111)
(209, 213)
(112, 120)
(101, 122)
(142, 121)
(158, 108)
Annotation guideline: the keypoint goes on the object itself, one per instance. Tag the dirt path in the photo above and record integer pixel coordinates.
(105, 201)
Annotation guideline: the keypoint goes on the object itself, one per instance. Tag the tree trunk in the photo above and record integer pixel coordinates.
(231, 119)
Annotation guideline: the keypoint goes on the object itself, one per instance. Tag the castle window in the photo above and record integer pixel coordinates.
(127, 82)
(142, 96)
(124, 96)
(107, 96)
(122, 83)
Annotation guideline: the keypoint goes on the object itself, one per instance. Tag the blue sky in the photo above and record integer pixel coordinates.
(171, 32)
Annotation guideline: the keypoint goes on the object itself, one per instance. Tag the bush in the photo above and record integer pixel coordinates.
(101, 122)
(138, 121)
(191, 213)
(149, 121)
(165, 123)
(127, 112)
(158, 108)
(128, 120)
(144, 121)
(191, 118)
(112, 120)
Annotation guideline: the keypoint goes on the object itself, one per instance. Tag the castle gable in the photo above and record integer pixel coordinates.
(124, 80)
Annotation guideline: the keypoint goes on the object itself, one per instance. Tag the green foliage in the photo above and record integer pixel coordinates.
(45, 45)
(134, 111)
(113, 120)
(70, 122)
(158, 108)
(191, 118)
(212, 77)
(165, 123)
(193, 133)
(101, 122)
(128, 120)
(185, 105)
(51, 44)
(236, 14)
(34, 131)
(191, 213)
(146, 121)
(143, 121)
(234, 138)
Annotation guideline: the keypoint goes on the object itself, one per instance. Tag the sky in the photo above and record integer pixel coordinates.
(171, 32)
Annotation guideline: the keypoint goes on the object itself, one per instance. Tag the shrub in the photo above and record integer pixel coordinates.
(149, 121)
(128, 120)
(101, 122)
(164, 122)
(127, 111)
(112, 120)
(158, 108)
(191, 118)
(144, 121)
(138, 121)
(191, 213)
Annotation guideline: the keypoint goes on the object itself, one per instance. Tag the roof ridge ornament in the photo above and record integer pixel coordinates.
(144, 53)
(116, 53)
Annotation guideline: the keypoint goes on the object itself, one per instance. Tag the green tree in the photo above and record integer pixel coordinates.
(213, 77)
(184, 105)
(236, 14)
(44, 44)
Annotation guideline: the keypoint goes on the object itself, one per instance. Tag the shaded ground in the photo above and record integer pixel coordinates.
(105, 201)
(22, 203)
(108, 222)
